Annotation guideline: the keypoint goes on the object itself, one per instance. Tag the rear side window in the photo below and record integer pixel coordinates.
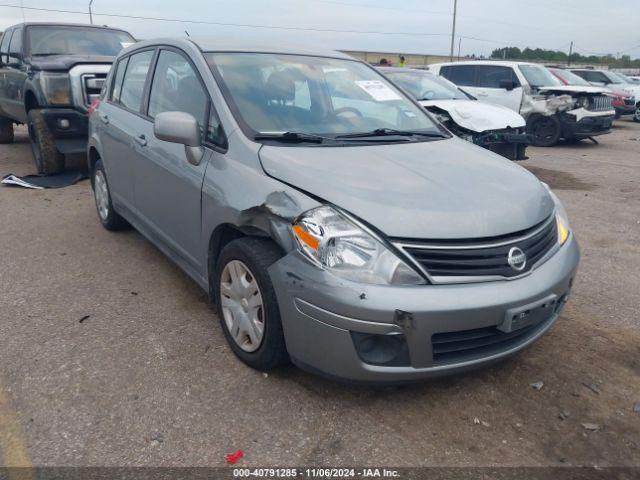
(116, 87)
(4, 46)
(490, 76)
(463, 75)
(134, 79)
(595, 77)
(15, 47)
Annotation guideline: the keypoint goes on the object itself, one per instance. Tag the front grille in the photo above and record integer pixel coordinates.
(466, 345)
(92, 84)
(600, 103)
(457, 258)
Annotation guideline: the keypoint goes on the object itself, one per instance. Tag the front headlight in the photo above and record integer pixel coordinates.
(562, 220)
(340, 246)
(582, 102)
(56, 88)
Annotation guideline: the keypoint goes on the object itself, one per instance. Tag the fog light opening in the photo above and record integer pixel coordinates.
(63, 123)
(381, 350)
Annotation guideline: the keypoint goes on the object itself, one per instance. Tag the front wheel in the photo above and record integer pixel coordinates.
(48, 159)
(546, 130)
(247, 305)
(636, 116)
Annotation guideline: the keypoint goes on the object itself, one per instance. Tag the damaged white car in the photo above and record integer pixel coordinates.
(552, 110)
(494, 127)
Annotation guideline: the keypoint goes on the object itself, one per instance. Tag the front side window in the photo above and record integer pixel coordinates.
(275, 93)
(134, 80)
(462, 75)
(426, 86)
(47, 40)
(176, 88)
(539, 76)
(492, 76)
(15, 47)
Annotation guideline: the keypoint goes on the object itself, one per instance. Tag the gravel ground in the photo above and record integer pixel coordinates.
(147, 379)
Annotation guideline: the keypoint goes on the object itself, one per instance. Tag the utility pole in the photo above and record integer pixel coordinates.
(90, 14)
(570, 52)
(453, 28)
(459, 45)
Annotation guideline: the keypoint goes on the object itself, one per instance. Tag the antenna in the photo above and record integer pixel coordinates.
(90, 14)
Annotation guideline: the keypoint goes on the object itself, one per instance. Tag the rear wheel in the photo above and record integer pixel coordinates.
(48, 159)
(109, 218)
(246, 302)
(6, 130)
(546, 130)
(636, 116)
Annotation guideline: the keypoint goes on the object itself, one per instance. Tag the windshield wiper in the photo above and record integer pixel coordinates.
(391, 132)
(293, 137)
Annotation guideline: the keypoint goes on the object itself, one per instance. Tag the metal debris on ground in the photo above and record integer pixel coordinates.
(592, 386)
(563, 415)
(591, 426)
(537, 385)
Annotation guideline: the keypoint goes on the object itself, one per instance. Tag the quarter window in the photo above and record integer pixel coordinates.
(117, 80)
(134, 80)
(463, 75)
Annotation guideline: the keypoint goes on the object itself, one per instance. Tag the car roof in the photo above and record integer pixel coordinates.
(502, 63)
(64, 24)
(256, 46)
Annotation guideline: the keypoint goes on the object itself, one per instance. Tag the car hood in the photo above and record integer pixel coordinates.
(477, 116)
(573, 89)
(443, 189)
(65, 62)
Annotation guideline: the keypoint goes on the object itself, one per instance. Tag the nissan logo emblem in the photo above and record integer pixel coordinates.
(517, 259)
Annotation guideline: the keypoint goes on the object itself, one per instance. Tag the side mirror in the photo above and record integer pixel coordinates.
(183, 128)
(507, 84)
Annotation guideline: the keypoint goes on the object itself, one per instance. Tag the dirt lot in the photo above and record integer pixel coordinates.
(147, 379)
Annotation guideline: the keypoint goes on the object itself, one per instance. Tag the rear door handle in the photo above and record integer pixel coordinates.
(104, 119)
(141, 139)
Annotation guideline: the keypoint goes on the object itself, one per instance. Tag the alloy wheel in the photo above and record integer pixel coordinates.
(101, 194)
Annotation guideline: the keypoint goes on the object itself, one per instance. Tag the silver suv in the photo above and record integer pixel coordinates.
(332, 220)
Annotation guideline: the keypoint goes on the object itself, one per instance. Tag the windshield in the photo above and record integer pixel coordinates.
(539, 76)
(569, 77)
(622, 78)
(275, 93)
(426, 86)
(63, 40)
(613, 78)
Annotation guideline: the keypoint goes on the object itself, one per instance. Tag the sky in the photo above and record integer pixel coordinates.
(403, 26)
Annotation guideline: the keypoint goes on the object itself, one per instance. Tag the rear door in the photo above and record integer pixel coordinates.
(16, 75)
(120, 120)
(490, 82)
(167, 187)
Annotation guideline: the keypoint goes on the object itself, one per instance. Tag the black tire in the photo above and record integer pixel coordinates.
(48, 159)
(546, 130)
(6, 131)
(257, 254)
(112, 220)
(636, 115)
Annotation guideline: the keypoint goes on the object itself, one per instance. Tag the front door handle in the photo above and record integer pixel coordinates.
(142, 141)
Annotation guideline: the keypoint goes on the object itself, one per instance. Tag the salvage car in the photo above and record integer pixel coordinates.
(553, 111)
(493, 127)
(623, 103)
(363, 242)
(609, 79)
(49, 75)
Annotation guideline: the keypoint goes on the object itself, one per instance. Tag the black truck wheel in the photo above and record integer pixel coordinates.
(6, 130)
(546, 130)
(47, 157)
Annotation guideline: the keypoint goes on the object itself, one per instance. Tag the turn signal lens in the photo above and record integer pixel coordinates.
(563, 230)
(305, 237)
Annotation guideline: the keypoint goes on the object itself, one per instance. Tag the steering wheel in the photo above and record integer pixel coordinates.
(355, 111)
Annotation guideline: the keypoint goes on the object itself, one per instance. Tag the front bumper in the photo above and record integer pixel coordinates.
(586, 126)
(320, 313)
(69, 128)
(510, 145)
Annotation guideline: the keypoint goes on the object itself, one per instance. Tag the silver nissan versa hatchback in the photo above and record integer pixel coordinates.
(332, 220)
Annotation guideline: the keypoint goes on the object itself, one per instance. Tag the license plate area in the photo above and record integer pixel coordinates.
(530, 314)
